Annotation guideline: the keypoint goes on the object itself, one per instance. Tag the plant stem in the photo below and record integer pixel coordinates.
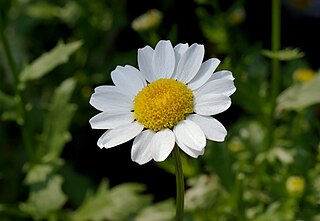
(179, 184)
(275, 68)
(14, 72)
(275, 46)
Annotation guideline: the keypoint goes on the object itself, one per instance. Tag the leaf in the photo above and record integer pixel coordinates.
(45, 199)
(277, 211)
(49, 60)
(202, 192)
(11, 210)
(43, 10)
(300, 96)
(284, 55)
(55, 130)
(163, 211)
(9, 108)
(218, 159)
(38, 173)
(69, 13)
(118, 203)
(281, 154)
(41, 172)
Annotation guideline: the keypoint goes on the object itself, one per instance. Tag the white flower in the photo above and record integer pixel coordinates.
(169, 100)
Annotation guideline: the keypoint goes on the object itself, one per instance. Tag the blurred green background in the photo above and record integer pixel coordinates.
(54, 53)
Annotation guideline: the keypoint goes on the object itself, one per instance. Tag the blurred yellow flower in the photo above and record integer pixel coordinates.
(237, 16)
(146, 21)
(304, 75)
(236, 145)
(295, 185)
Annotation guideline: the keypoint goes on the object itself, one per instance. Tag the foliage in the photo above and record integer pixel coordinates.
(53, 53)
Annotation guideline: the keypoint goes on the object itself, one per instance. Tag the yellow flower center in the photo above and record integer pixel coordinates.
(162, 104)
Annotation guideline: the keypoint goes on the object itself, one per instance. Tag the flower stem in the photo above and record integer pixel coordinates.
(179, 184)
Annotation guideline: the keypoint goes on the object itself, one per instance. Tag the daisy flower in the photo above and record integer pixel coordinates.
(169, 100)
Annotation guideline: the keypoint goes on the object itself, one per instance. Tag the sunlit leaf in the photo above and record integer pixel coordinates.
(284, 55)
(281, 154)
(9, 108)
(45, 199)
(49, 60)
(55, 131)
(277, 211)
(202, 192)
(163, 211)
(69, 13)
(115, 204)
(300, 96)
(43, 10)
(39, 173)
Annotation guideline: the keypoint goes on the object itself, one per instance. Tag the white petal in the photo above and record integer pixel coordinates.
(211, 127)
(211, 104)
(107, 120)
(141, 152)
(119, 135)
(145, 56)
(190, 134)
(162, 144)
(220, 86)
(163, 60)
(190, 63)
(106, 89)
(191, 152)
(108, 99)
(179, 50)
(205, 72)
(222, 75)
(128, 80)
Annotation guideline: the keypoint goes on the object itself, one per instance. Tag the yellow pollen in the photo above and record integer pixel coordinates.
(163, 104)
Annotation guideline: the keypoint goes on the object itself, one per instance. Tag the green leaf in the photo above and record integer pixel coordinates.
(69, 13)
(41, 172)
(11, 210)
(45, 199)
(281, 154)
(202, 192)
(284, 55)
(218, 159)
(55, 130)
(43, 10)
(277, 211)
(38, 173)
(9, 108)
(118, 203)
(49, 60)
(163, 211)
(300, 96)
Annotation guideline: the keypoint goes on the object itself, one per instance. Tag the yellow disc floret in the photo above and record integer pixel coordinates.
(162, 104)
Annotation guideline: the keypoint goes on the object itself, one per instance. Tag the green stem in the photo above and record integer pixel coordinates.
(275, 67)
(179, 184)
(14, 72)
(275, 46)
